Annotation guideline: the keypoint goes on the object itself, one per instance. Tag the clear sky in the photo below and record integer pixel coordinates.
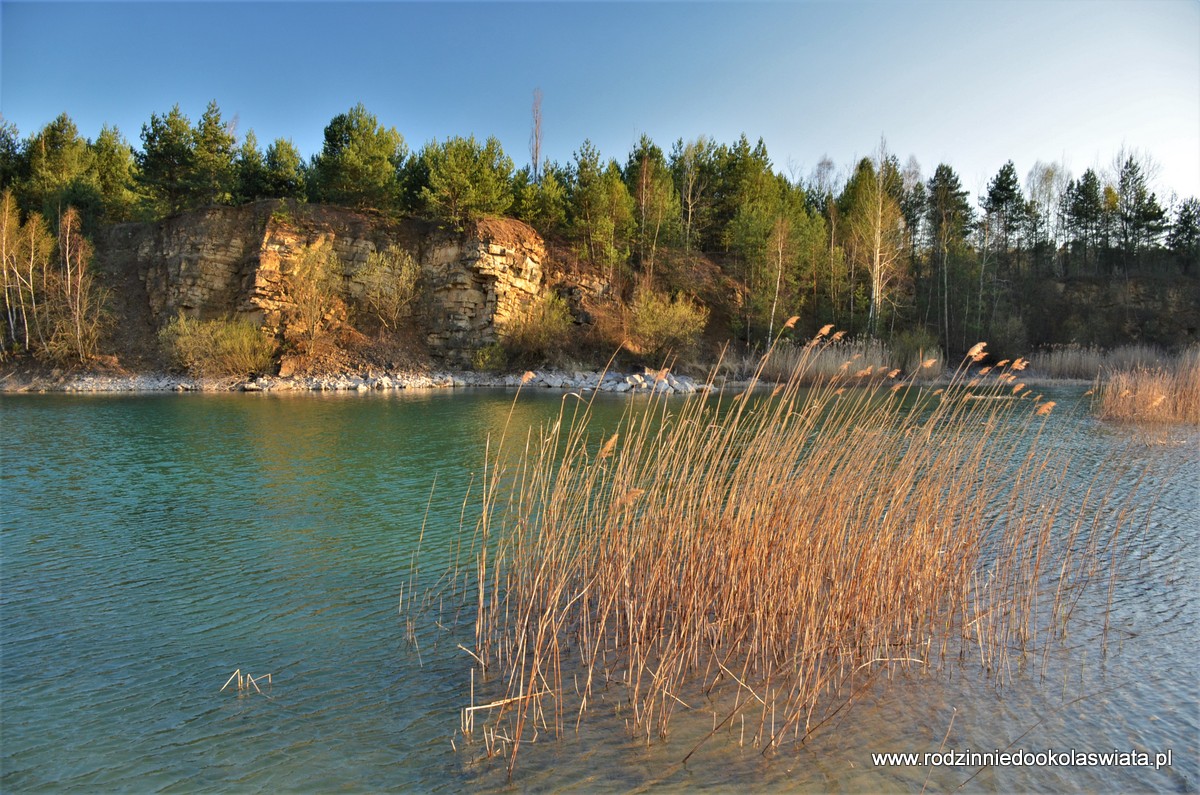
(969, 82)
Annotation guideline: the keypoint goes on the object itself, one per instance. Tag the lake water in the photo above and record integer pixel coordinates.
(152, 545)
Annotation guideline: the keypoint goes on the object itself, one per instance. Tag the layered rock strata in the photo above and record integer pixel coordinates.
(233, 262)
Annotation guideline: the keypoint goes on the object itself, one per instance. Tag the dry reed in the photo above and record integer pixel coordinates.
(1165, 394)
(829, 361)
(1087, 363)
(763, 558)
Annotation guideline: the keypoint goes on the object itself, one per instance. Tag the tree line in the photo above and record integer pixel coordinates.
(878, 248)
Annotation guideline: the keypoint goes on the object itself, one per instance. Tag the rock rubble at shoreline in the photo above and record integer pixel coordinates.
(649, 381)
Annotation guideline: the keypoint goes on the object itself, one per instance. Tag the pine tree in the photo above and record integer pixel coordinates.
(359, 163)
(167, 161)
(213, 177)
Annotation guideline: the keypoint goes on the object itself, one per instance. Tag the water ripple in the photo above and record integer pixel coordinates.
(153, 545)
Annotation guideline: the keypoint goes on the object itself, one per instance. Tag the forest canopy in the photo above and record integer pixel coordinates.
(879, 247)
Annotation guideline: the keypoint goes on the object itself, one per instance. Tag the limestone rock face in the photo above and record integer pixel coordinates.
(233, 261)
(479, 283)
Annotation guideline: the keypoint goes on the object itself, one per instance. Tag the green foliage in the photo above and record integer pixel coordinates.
(391, 284)
(1140, 218)
(541, 204)
(694, 169)
(167, 162)
(1184, 239)
(466, 180)
(656, 203)
(490, 358)
(59, 166)
(743, 176)
(359, 163)
(1085, 212)
(214, 173)
(713, 219)
(542, 333)
(251, 171)
(664, 327)
(217, 348)
(600, 209)
(12, 161)
(1004, 202)
(285, 176)
(113, 169)
(912, 347)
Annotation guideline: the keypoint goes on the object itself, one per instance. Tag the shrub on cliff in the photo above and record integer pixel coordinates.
(541, 334)
(314, 284)
(661, 326)
(217, 348)
(391, 283)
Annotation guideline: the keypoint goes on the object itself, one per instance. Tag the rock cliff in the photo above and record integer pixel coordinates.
(232, 261)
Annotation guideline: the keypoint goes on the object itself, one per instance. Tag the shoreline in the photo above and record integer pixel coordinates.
(645, 382)
(157, 383)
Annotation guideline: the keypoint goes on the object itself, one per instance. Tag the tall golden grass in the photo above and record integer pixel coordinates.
(762, 558)
(1087, 363)
(1164, 394)
(829, 361)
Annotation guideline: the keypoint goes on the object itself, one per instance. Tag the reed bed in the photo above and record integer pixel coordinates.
(1088, 362)
(828, 362)
(1165, 394)
(763, 557)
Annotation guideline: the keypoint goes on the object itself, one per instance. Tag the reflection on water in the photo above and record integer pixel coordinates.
(152, 545)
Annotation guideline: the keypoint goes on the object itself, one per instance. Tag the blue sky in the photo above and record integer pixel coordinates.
(972, 83)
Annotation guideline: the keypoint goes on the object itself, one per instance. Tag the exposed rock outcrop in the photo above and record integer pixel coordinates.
(234, 261)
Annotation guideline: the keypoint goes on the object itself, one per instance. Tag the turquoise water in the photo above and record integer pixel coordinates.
(152, 545)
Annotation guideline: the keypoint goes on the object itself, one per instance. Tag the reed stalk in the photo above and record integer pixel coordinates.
(1168, 393)
(765, 557)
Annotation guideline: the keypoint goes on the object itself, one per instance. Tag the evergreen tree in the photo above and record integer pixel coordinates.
(214, 174)
(541, 204)
(12, 159)
(948, 218)
(359, 163)
(251, 171)
(466, 180)
(743, 174)
(912, 207)
(1005, 207)
(60, 162)
(113, 174)
(1184, 238)
(284, 173)
(1085, 210)
(167, 162)
(600, 209)
(1140, 218)
(656, 204)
